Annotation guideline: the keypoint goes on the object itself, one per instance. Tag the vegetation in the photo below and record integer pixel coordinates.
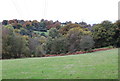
(97, 65)
(35, 39)
(103, 34)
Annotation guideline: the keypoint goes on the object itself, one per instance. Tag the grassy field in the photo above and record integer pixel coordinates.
(97, 65)
(46, 33)
(0, 70)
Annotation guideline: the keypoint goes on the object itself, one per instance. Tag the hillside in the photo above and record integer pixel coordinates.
(37, 38)
(97, 65)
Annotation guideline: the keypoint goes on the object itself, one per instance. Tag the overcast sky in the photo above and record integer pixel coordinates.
(90, 11)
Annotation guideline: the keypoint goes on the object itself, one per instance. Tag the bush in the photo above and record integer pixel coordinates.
(86, 43)
(103, 34)
(54, 33)
(14, 45)
(56, 46)
(74, 37)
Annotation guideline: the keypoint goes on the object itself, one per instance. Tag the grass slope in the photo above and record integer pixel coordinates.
(0, 70)
(97, 65)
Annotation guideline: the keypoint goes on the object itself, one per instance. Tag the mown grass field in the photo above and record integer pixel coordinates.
(96, 65)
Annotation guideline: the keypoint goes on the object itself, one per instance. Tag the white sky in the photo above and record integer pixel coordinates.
(90, 11)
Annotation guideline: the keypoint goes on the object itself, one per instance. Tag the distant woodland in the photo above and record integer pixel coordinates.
(36, 38)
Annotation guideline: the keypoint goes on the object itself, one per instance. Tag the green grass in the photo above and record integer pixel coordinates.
(46, 33)
(97, 65)
(0, 70)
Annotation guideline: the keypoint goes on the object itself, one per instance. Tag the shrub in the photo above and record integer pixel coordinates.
(86, 43)
(103, 34)
(54, 33)
(14, 45)
(57, 45)
(74, 37)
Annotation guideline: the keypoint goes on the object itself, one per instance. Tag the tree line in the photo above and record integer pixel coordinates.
(19, 38)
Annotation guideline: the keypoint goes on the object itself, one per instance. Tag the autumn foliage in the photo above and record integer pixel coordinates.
(48, 38)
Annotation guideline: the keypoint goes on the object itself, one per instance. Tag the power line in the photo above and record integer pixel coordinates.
(17, 8)
(45, 9)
